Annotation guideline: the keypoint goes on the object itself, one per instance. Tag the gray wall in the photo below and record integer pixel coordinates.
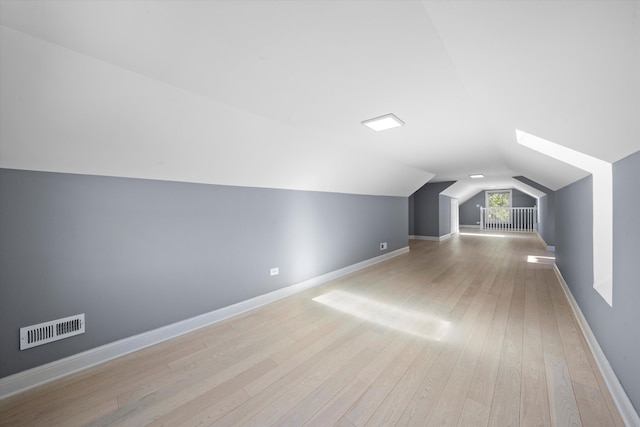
(621, 336)
(616, 328)
(135, 255)
(521, 200)
(444, 216)
(427, 211)
(547, 220)
(411, 215)
(470, 213)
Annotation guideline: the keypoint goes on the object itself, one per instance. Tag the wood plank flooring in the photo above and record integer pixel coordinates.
(464, 332)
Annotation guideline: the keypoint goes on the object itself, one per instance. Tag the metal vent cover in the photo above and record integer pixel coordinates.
(54, 330)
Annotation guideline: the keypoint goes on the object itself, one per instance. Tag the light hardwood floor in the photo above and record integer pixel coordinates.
(464, 332)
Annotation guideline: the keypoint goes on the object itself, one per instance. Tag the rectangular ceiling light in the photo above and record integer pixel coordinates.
(387, 121)
(476, 176)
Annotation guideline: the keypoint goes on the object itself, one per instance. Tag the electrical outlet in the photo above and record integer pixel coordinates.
(383, 246)
(275, 271)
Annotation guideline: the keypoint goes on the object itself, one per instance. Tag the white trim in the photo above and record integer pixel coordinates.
(470, 226)
(620, 398)
(549, 248)
(432, 238)
(455, 216)
(39, 375)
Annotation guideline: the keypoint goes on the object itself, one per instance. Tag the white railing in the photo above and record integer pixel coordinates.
(508, 219)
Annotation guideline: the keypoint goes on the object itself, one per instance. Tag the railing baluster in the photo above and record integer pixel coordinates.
(508, 219)
(521, 221)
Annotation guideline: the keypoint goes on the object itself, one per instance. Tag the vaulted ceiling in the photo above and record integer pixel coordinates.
(272, 93)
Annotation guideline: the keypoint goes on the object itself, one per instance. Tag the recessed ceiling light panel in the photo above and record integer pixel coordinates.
(476, 176)
(387, 121)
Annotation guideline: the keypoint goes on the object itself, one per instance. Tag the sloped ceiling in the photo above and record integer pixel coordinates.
(272, 93)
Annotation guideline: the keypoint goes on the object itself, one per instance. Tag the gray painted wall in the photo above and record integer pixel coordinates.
(622, 335)
(444, 217)
(470, 213)
(411, 216)
(547, 221)
(427, 210)
(135, 254)
(616, 328)
(521, 200)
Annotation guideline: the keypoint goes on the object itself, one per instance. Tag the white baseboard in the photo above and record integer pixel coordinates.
(549, 248)
(432, 238)
(469, 226)
(620, 398)
(39, 375)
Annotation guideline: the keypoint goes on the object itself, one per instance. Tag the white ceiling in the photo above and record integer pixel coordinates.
(272, 93)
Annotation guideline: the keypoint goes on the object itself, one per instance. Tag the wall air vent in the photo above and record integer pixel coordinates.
(42, 333)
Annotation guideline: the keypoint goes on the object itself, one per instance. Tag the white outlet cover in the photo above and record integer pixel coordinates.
(275, 271)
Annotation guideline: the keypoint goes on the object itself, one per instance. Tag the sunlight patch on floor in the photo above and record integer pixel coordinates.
(482, 234)
(391, 316)
(536, 259)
